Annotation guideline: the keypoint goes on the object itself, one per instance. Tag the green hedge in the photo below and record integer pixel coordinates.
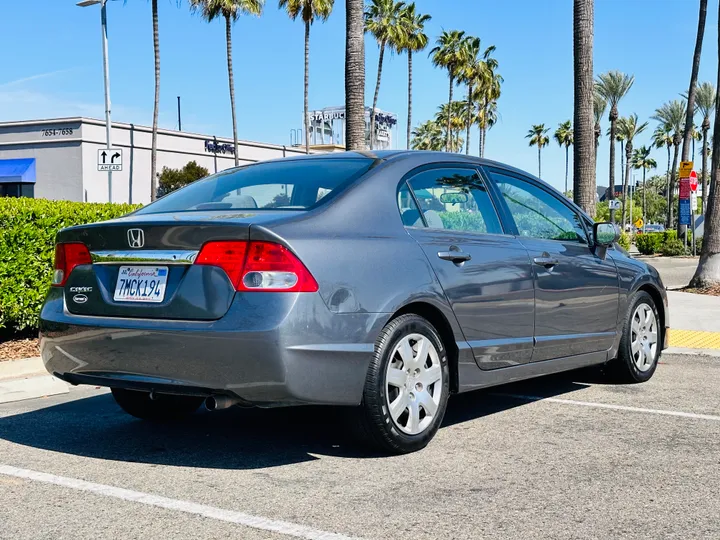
(624, 241)
(27, 236)
(649, 243)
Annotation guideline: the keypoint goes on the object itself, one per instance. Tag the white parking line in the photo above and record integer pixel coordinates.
(256, 522)
(614, 407)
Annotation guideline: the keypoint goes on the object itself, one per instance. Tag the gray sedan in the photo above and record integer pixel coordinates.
(385, 281)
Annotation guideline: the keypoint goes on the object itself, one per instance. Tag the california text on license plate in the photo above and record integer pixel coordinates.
(141, 284)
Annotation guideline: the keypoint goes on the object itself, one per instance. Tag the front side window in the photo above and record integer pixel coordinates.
(452, 199)
(537, 213)
(289, 185)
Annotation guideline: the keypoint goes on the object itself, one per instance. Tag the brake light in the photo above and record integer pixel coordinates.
(230, 256)
(258, 266)
(68, 255)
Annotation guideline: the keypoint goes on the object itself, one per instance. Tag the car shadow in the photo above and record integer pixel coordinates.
(236, 438)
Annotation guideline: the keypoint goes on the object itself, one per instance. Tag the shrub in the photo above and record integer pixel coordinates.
(463, 221)
(27, 240)
(698, 245)
(172, 179)
(649, 243)
(673, 248)
(624, 241)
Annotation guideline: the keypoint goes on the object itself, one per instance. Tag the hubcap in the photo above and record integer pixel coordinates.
(643, 337)
(413, 384)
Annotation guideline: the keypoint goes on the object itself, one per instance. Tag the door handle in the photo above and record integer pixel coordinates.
(454, 256)
(547, 262)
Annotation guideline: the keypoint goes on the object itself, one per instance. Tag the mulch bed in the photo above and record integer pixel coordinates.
(16, 349)
(712, 291)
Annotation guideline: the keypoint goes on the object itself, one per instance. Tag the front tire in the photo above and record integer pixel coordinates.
(163, 408)
(407, 386)
(641, 341)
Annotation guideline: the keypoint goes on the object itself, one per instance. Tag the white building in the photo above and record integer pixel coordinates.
(57, 158)
(327, 127)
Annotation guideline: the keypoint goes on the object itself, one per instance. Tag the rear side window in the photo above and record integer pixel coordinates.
(290, 185)
(452, 199)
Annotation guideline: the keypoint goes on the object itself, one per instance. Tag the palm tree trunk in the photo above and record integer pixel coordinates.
(687, 136)
(668, 196)
(611, 193)
(671, 192)
(480, 142)
(584, 187)
(622, 181)
(539, 161)
(567, 163)
(306, 91)
(469, 121)
(409, 119)
(703, 199)
(484, 138)
(156, 105)
(448, 142)
(377, 93)
(354, 75)
(228, 37)
(626, 181)
(708, 270)
(644, 200)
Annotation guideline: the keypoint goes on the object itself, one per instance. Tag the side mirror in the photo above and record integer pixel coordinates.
(605, 234)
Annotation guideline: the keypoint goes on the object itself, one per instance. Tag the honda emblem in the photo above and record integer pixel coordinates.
(136, 238)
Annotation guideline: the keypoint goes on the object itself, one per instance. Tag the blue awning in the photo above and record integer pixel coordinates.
(17, 171)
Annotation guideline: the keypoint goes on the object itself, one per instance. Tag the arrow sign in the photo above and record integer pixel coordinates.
(115, 155)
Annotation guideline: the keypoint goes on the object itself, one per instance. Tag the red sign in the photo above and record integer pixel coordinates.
(693, 181)
(684, 188)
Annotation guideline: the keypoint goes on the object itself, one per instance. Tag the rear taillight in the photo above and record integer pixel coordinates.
(68, 255)
(258, 266)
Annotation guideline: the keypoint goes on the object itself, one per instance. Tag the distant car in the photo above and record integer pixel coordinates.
(652, 228)
(385, 281)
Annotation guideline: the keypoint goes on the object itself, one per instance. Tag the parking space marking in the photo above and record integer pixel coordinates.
(230, 516)
(694, 339)
(663, 412)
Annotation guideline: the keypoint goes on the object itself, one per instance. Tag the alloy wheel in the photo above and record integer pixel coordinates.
(644, 337)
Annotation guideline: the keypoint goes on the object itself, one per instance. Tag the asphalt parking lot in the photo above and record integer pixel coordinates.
(559, 457)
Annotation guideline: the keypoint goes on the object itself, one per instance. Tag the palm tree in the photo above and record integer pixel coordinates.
(477, 73)
(537, 135)
(672, 117)
(428, 136)
(354, 75)
(156, 102)
(449, 53)
(613, 86)
(629, 128)
(413, 39)
(492, 94)
(564, 137)
(690, 111)
(486, 116)
(382, 20)
(662, 138)
(599, 106)
(705, 102)
(708, 270)
(619, 137)
(584, 185)
(454, 115)
(310, 9)
(230, 10)
(641, 160)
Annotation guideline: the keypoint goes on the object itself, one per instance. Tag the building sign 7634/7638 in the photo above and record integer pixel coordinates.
(219, 148)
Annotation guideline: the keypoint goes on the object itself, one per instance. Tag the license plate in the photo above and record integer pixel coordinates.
(141, 284)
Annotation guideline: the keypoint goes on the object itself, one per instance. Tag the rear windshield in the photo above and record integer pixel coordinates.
(290, 185)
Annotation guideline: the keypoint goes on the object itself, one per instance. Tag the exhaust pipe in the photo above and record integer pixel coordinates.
(216, 403)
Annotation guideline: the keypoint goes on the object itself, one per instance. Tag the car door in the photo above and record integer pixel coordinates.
(576, 289)
(485, 273)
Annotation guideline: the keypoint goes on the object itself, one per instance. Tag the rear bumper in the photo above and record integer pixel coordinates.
(269, 349)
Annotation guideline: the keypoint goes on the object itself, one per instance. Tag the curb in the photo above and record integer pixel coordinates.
(27, 379)
(693, 352)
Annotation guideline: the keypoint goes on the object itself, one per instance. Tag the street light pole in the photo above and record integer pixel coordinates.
(106, 76)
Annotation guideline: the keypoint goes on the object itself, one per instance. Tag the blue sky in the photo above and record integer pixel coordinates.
(55, 66)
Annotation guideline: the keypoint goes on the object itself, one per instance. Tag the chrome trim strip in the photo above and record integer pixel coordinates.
(144, 256)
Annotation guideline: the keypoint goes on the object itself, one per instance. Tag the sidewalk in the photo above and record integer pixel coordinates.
(27, 379)
(694, 321)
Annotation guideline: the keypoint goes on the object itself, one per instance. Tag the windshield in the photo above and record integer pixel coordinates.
(291, 185)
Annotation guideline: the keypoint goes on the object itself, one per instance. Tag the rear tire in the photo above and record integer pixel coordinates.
(641, 342)
(164, 408)
(407, 386)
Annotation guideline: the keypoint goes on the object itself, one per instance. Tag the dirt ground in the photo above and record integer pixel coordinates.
(16, 349)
